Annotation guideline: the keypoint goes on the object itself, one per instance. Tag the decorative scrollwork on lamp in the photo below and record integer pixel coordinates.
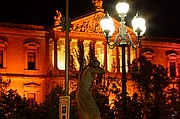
(123, 38)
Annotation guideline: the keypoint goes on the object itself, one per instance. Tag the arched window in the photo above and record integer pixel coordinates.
(172, 63)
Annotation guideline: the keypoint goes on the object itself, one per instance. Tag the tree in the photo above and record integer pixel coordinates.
(102, 100)
(134, 105)
(174, 100)
(73, 109)
(51, 103)
(14, 106)
(151, 81)
(80, 55)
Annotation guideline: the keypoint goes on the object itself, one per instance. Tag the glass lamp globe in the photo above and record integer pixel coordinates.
(107, 25)
(122, 8)
(138, 24)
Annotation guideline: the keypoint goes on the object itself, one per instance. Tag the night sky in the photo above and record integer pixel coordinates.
(162, 16)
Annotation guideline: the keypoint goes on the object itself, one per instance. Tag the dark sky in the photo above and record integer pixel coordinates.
(162, 16)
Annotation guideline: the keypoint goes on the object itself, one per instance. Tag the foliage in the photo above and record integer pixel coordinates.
(174, 101)
(91, 51)
(73, 73)
(51, 109)
(14, 106)
(51, 103)
(102, 101)
(73, 110)
(134, 105)
(80, 55)
(152, 84)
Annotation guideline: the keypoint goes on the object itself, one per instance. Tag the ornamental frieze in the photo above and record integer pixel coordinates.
(89, 24)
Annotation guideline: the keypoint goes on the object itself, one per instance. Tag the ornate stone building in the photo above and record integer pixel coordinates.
(24, 58)
(34, 58)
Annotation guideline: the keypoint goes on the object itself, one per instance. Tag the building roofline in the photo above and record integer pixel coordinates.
(22, 26)
(163, 39)
(94, 12)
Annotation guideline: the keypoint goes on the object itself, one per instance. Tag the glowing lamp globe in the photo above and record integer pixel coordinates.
(138, 24)
(122, 8)
(107, 25)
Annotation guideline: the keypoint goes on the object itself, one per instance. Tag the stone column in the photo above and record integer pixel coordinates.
(55, 52)
(56, 70)
(92, 50)
(49, 51)
(81, 53)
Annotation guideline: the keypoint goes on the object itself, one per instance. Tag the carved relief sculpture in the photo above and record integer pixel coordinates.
(89, 25)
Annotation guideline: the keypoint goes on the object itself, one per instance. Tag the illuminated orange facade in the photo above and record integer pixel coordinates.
(24, 58)
(34, 58)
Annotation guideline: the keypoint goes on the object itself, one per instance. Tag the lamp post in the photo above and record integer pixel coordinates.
(123, 39)
(67, 50)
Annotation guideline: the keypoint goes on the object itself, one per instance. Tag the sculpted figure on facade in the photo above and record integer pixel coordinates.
(97, 4)
(57, 18)
(87, 108)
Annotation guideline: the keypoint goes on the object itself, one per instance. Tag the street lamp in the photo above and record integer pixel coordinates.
(123, 39)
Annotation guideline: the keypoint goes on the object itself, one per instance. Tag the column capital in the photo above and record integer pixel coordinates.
(92, 41)
(56, 39)
(81, 40)
(104, 43)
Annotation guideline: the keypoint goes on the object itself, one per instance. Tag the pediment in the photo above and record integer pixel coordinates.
(3, 43)
(90, 23)
(31, 45)
(31, 84)
(171, 52)
(3, 39)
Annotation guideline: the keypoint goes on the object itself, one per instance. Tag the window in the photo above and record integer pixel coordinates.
(1, 58)
(32, 92)
(172, 69)
(172, 63)
(31, 99)
(148, 53)
(31, 60)
(3, 47)
(31, 56)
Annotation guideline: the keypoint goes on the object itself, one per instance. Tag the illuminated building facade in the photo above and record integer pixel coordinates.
(34, 58)
(24, 58)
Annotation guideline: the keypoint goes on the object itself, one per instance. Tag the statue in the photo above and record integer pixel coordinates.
(87, 108)
(97, 4)
(57, 18)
